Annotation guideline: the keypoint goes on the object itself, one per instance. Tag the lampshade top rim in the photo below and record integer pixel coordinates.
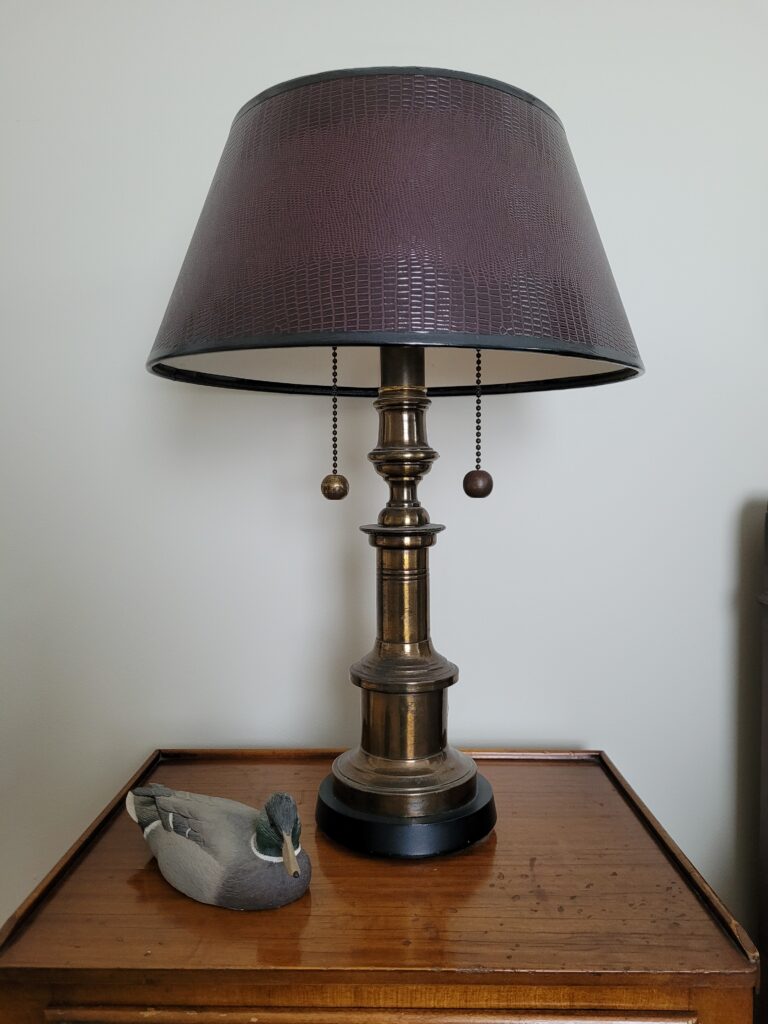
(326, 76)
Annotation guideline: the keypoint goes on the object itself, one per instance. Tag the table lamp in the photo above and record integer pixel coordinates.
(408, 234)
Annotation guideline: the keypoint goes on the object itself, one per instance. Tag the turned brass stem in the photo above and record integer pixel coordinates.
(403, 766)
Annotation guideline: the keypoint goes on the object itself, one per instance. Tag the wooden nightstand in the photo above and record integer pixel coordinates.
(578, 908)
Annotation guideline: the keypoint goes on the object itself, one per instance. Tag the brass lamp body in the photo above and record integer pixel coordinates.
(404, 768)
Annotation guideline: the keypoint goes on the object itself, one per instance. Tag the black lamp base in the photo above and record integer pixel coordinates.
(382, 836)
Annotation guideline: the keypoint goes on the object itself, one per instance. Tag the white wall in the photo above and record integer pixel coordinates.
(171, 575)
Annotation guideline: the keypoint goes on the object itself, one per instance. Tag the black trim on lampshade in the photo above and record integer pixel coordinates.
(218, 380)
(469, 341)
(329, 76)
(397, 206)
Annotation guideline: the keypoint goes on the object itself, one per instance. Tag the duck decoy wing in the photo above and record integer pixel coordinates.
(216, 824)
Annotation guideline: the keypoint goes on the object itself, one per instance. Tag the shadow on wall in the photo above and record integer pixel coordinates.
(750, 561)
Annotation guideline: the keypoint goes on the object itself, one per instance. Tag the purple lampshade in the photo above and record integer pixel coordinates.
(395, 206)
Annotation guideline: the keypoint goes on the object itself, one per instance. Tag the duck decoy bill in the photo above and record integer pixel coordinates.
(290, 863)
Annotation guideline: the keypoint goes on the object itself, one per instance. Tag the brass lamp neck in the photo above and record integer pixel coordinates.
(402, 455)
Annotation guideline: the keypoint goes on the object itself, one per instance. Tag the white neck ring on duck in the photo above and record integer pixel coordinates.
(267, 856)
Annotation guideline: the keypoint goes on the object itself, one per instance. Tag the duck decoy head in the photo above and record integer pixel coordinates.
(283, 831)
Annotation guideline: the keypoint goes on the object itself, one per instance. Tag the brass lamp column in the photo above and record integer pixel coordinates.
(404, 791)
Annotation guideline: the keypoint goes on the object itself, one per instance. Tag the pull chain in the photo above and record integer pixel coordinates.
(334, 486)
(478, 483)
(335, 410)
(478, 406)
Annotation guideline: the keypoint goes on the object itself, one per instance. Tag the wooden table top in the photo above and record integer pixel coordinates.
(576, 881)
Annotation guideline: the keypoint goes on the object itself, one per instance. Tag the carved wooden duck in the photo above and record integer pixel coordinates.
(223, 852)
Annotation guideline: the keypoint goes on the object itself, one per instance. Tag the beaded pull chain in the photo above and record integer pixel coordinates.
(478, 483)
(334, 486)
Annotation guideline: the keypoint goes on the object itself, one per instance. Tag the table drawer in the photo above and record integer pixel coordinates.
(257, 1015)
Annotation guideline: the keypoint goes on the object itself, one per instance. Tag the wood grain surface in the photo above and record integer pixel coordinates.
(110, 1015)
(572, 884)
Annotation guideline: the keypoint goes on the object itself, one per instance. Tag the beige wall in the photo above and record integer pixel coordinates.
(168, 580)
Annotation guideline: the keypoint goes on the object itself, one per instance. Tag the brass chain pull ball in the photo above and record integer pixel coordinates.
(334, 486)
(478, 483)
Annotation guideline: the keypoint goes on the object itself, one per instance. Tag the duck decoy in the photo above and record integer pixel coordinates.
(223, 852)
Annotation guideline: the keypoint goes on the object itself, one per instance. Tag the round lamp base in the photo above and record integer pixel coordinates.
(382, 836)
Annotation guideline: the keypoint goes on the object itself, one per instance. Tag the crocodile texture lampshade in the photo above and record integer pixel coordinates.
(396, 206)
(402, 233)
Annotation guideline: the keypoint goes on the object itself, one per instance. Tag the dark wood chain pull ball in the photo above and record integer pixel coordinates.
(478, 483)
(335, 486)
